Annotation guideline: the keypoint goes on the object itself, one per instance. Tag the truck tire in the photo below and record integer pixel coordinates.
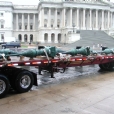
(24, 81)
(107, 66)
(4, 86)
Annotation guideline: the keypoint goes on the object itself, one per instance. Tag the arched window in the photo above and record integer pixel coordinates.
(45, 37)
(31, 38)
(20, 37)
(25, 38)
(52, 37)
(59, 38)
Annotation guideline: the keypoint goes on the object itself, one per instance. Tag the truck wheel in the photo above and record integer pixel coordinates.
(101, 66)
(4, 86)
(107, 66)
(24, 81)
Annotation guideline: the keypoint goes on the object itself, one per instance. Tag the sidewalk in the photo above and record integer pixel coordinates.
(90, 95)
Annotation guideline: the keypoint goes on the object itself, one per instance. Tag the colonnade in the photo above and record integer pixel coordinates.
(82, 18)
(23, 23)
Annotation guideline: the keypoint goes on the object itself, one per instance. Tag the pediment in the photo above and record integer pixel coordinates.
(101, 2)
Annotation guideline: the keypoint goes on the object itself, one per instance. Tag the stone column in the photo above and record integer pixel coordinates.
(70, 17)
(96, 19)
(49, 38)
(90, 19)
(111, 24)
(77, 23)
(28, 22)
(22, 21)
(22, 36)
(17, 21)
(112, 19)
(102, 19)
(49, 19)
(108, 25)
(55, 24)
(33, 21)
(38, 21)
(56, 40)
(28, 38)
(42, 18)
(83, 18)
(64, 17)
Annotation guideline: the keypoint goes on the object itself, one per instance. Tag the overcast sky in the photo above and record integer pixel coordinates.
(23, 2)
(27, 2)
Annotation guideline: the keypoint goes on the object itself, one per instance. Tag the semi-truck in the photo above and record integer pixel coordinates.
(22, 80)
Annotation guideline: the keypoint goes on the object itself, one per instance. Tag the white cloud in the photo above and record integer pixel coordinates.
(30, 2)
(23, 2)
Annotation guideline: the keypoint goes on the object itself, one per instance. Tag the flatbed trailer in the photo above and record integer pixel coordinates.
(22, 80)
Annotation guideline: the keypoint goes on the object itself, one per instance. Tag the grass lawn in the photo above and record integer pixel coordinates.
(27, 45)
(24, 46)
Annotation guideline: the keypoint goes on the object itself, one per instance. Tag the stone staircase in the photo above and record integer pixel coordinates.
(93, 38)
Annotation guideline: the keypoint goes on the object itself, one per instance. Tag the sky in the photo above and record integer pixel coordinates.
(27, 2)
(23, 2)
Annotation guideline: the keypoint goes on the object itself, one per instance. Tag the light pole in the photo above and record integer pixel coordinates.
(73, 25)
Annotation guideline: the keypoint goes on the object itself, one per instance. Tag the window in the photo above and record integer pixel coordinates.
(45, 25)
(58, 13)
(52, 21)
(25, 27)
(52, 26)
(45, 20)
(26, 17)
(31, 27)
(2, 25)
(20, 27)
(2, 36)
(31, 17)
(58, 26)
(45, 12)
(20, 17)
(1, 14)
(52, 12)
(58, 20)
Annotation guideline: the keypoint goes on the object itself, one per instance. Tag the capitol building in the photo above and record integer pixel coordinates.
(55, 21)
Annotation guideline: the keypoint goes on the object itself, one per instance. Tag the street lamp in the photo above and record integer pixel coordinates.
(73, 25)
